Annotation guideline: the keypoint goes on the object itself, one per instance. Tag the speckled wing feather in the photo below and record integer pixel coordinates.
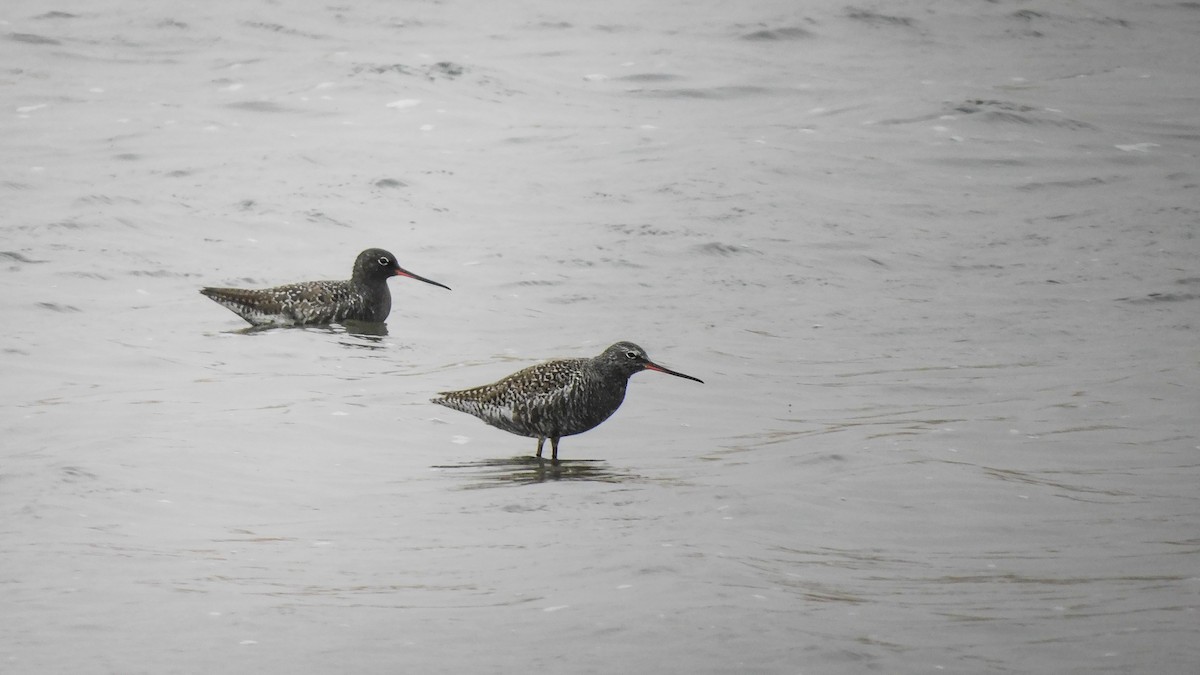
(535, 401)
(312, 302)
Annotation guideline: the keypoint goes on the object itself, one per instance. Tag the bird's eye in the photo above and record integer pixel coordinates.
(385, 262)
(631, 355)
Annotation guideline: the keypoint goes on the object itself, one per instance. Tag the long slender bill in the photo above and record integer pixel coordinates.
(401, 272)
(655, 366)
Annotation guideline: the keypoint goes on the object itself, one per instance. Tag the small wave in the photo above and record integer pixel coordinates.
(873, 18)
(979, 162)
(1016, 113)
(446, 70)
(1031, 16)
(32, 39)
(259, 106)
(73, 474)
(55, 307)
(89, 200)
(280, 28)
(778, 34)
(1058, 184)
(650, 77)
(725, 250)
(163, 274)
(714, 93)
(1028, 15)
(1032, 478)
(315, 216)
(18, 257)
(1162, 297)
(640, 230)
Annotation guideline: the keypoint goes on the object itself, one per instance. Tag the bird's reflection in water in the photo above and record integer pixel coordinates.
(365, 328)
(529, 470)
(367, 331)
(362, 334)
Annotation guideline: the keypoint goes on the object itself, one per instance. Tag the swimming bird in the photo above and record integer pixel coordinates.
(562, 397)
(364, 297)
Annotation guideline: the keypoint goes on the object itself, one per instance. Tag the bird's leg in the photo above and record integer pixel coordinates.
(554, 450)
(541, 440)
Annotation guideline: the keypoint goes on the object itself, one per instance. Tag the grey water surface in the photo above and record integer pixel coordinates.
(936, 262)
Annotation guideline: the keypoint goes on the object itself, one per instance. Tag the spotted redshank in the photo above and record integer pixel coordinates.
(557, 398)
(364, 297)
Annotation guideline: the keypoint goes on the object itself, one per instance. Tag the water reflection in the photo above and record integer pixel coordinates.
(363, 328)
(529, 470)
(366, 334)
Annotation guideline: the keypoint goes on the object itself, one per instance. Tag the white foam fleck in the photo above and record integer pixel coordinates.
(404, 103)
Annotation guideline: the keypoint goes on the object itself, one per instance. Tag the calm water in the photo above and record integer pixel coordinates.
(936, 264)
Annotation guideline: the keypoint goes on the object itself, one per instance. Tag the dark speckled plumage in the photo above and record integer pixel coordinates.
(364, 297)
(557, 398)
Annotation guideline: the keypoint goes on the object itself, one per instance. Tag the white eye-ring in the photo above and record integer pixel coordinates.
(384, 261)
(631, 355)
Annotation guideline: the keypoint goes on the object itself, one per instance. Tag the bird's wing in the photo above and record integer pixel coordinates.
(514, 402)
